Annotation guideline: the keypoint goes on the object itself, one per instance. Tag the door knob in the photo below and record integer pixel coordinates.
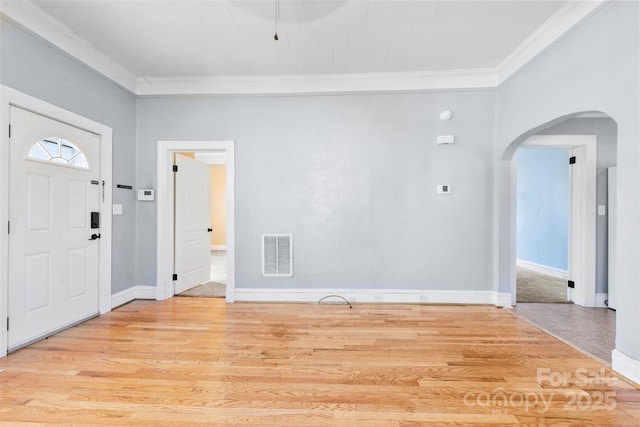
(209, 230)
(94, 236)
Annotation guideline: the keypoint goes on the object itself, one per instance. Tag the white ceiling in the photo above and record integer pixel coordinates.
(172, 47)
(235, 38)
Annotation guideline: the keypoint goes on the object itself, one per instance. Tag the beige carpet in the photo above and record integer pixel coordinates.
(206, 290)
(537, 287)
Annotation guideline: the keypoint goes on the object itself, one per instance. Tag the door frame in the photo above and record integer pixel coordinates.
(582, 218)
(10, 97)
(166, 218)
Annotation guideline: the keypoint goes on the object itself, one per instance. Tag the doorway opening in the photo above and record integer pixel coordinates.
(581, 230)
(588, 324)
(218, 171)
(543, 224)
(208, 256)
(213, 280)
(581, 324)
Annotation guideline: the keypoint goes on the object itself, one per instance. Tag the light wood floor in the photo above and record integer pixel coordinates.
(192, 361)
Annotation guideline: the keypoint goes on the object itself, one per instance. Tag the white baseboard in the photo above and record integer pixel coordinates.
(503, 299)
(543, 269)
(375, 296)
(600, 299)
(625, 366)
(135, 292)
(218, 247)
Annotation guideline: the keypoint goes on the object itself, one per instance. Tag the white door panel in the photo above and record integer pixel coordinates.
(37, 281)
(53, 266)
(193, 242)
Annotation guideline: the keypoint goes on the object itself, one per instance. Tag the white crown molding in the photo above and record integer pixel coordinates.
(318, 84)
(564, 20)
(44, 25)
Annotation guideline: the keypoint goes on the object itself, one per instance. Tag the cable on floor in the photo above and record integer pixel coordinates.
(336, 296)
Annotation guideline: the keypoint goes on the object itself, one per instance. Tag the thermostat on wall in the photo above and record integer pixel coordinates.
(444, 189)
(145, 195)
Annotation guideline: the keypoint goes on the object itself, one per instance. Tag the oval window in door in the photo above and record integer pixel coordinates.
(58, 151)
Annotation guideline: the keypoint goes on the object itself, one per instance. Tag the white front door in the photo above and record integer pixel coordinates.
(55, 187)
(193, 223)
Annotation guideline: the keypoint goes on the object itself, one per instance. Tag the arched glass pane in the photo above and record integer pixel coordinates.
(79, 162)
(52, 146)
(58, 151)
(68, 151)
(37, 152)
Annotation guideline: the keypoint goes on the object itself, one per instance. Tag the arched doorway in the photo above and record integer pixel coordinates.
(589, 232)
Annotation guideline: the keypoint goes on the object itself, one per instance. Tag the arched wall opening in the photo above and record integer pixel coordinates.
(594, 274)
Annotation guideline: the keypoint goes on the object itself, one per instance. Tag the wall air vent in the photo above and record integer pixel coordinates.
(277, 255)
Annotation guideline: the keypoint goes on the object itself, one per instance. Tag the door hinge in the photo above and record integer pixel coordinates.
(175, 277)
(175, 168)
(571, 284)
(8, 227)
(9, 131)
(7, 323)
(572, 160)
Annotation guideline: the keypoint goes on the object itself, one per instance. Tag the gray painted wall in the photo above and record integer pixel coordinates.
(605, 130)
(593, 68)
(353, 177)
(33, 66)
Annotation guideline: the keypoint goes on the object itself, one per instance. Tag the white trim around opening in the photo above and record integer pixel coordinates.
(582, 252)
(9, 97)
(165, 254)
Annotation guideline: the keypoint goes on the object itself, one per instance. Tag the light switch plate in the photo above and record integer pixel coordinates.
(602, 210)
(117, 209)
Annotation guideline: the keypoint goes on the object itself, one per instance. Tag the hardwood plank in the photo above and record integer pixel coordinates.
(192, 361)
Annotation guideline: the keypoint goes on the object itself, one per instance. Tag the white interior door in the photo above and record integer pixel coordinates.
(582, 248)
(53, 261)
(575, 227)
(192, 226)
